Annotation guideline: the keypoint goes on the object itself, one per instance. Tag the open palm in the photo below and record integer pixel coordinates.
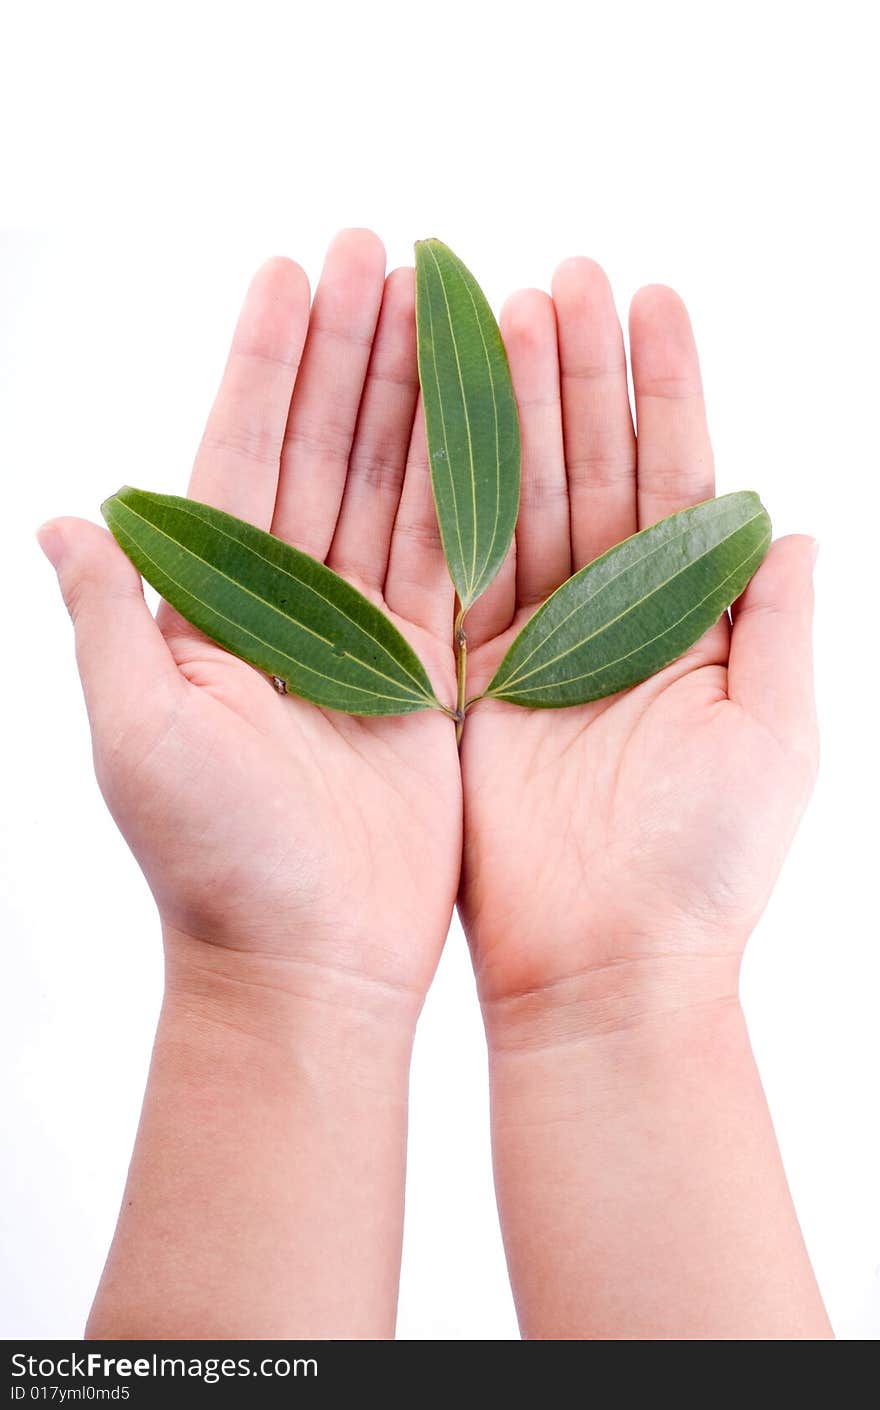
(648, 827)
(261, 822)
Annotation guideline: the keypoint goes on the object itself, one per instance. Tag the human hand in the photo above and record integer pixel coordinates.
(616, 857)
(304, 863)
(317, 843)
(628, 845)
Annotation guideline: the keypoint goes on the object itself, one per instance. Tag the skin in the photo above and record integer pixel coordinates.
(305, 865)
(275, 850)
(616, 858)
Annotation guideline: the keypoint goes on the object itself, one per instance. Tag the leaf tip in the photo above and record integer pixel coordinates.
(747, 494)
(760, 506)
(430, 242)
(112, 499)
(740, 498)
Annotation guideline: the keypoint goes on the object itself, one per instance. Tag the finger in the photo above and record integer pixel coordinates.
(597, 425)
(543, 547)
(378, 457)
(771, 651)
(540, 556)
(121, 653)
(236, 467)
(493, 612)
(675, 466)
(417, 584)
(327, 395)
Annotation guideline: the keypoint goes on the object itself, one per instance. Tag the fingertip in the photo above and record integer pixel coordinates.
(523, 305)
(527, 318)
(400, 287)
(793, 551)
(273, 317)
(656, 305)
(58, 537)
(793, 558)
(580, 278)
(75, 539)
(771, 653)
(283, 278)
(659, 291)
(663, 349)
(803, 546)
(784, 578)
(51, 540)
(358, 245)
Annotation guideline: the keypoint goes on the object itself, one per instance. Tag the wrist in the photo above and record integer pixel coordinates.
(265, 1194)
(623, 1057)
(640, 1189)
(639, 995)
(288, 1002)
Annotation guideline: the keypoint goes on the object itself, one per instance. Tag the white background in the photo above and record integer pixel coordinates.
(151, 159)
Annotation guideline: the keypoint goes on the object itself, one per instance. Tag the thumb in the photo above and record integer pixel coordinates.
(771, 649)
(121, 654)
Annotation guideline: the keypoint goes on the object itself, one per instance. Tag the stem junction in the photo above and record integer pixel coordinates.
(460, 672)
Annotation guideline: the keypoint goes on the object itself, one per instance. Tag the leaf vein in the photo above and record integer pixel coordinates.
(467, 420)
(285, 616)
(482, 573)
(447, 456)
(322, 597)
(607, 665)
(519, 676)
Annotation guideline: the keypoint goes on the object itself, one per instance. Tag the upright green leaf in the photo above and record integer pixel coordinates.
(636, 608)
(470, 418)
(270, 604)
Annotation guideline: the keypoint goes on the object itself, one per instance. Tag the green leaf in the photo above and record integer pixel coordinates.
(270, 604)
(636, 608)
(470, 419)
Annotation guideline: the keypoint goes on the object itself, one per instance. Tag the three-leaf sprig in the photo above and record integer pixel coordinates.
(619, 620)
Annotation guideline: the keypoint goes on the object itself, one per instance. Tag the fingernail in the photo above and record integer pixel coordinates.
(51, 543)
(815, 551)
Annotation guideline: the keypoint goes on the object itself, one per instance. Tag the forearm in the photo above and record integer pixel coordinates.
(265, 1194)
(641, 1191)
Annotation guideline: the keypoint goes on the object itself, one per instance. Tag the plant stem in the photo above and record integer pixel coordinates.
(460, 672)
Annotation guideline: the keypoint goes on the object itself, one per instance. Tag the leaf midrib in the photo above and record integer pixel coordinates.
(518, 677)
(276, 650)
(448, 457)
(285, 616)
(467, 422)
(482, 573)
(607, 665)
(309, 587)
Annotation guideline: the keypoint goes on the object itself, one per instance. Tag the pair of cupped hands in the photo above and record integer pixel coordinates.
(594, 852)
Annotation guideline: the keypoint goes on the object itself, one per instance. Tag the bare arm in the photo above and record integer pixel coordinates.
(617, 857)
(265, 1195)
(641, 1192)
